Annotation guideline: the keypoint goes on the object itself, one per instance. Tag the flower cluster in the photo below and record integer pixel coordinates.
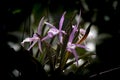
(58, 31)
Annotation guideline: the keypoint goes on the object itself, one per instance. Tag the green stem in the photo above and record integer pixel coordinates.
(64, 60)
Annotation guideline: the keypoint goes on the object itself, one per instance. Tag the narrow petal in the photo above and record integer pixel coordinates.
(46, 37)
(61, 21)
(32, 45)
(50, 25)
(63, 32)
(53, 31)
(71, 46)
(76, 56)
(81, 46)
(40, 26)
(72, 34)
(61, 36)
(27, 40)
(39, 45)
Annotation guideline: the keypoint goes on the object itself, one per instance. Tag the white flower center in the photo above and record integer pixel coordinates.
(71, 46)
(53, 31)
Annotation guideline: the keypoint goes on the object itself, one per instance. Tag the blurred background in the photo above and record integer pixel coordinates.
(19, 18)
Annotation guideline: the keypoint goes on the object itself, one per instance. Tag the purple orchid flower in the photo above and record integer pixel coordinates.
(71, 46)
(53, 31)
(35, 37)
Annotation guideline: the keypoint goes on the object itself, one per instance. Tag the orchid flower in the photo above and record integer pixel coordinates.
(53, 31)
(35, 37)
(71, 46)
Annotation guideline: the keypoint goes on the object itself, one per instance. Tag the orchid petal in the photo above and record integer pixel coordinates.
(32, 45)
(72, 34)
(39, 45)
(50, 25)
(29, 40)
(71, 46)
(52, 32)
(81, 46)
(50, 35)
(75, 54)
(60, 27)
(61, 21)
(46, 37)
(35, 37)
(40, 26)
(61, 37)
(26, 40)
(63, 32)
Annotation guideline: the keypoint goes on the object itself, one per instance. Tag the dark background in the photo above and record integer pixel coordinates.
(107, 51)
